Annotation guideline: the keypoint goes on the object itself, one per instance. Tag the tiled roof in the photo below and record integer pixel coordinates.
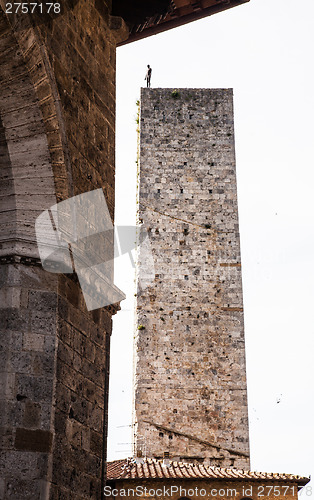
(149, 468)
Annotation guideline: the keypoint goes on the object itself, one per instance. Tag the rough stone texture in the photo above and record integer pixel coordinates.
(57, 116)
(54, 359)
(28, 350)
(190, 382)
(27, 182)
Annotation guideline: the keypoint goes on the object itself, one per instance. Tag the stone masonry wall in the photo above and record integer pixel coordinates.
(57, 118)
(190, 381)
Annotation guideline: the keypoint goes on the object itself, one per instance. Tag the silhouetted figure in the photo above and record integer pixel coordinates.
(148, 75)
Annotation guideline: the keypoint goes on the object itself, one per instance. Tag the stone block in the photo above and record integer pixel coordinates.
(31, 489)
(33, 440)
(7, 385)
(15, 320)
(33, 342)
(42, 301)
(96, 443)
(43, 322)
(34, 388)
(32, 413)
(10, 298)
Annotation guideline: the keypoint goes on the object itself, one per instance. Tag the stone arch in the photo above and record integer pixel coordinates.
(26, 168)
(29, 185)
(37, 162)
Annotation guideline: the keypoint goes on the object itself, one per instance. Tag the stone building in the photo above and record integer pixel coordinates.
(155, 480)
(57, 119)
(190, 399)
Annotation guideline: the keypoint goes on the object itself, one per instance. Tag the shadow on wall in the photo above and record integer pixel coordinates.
(7, 202)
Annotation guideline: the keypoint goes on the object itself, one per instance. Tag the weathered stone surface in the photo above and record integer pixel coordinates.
(190, 383)
(57, 118)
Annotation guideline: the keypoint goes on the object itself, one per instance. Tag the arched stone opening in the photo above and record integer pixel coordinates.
(28, 296)
(54, 353)
(26, 166)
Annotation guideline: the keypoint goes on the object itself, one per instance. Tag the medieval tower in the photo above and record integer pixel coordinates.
(190, 398)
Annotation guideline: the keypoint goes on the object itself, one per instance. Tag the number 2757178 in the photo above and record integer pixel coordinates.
(30, 8)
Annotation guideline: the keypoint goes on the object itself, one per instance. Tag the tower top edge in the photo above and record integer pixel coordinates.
(182, 89)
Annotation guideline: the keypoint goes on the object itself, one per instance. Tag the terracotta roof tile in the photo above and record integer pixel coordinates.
(149, 468)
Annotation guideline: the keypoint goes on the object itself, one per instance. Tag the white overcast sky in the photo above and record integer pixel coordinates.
(264, 51)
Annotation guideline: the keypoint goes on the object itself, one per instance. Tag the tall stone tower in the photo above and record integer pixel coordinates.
(190, 383)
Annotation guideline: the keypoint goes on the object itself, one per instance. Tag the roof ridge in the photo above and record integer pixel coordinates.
(152, 468)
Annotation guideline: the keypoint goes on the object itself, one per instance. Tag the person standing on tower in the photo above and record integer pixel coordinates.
(148, 75)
